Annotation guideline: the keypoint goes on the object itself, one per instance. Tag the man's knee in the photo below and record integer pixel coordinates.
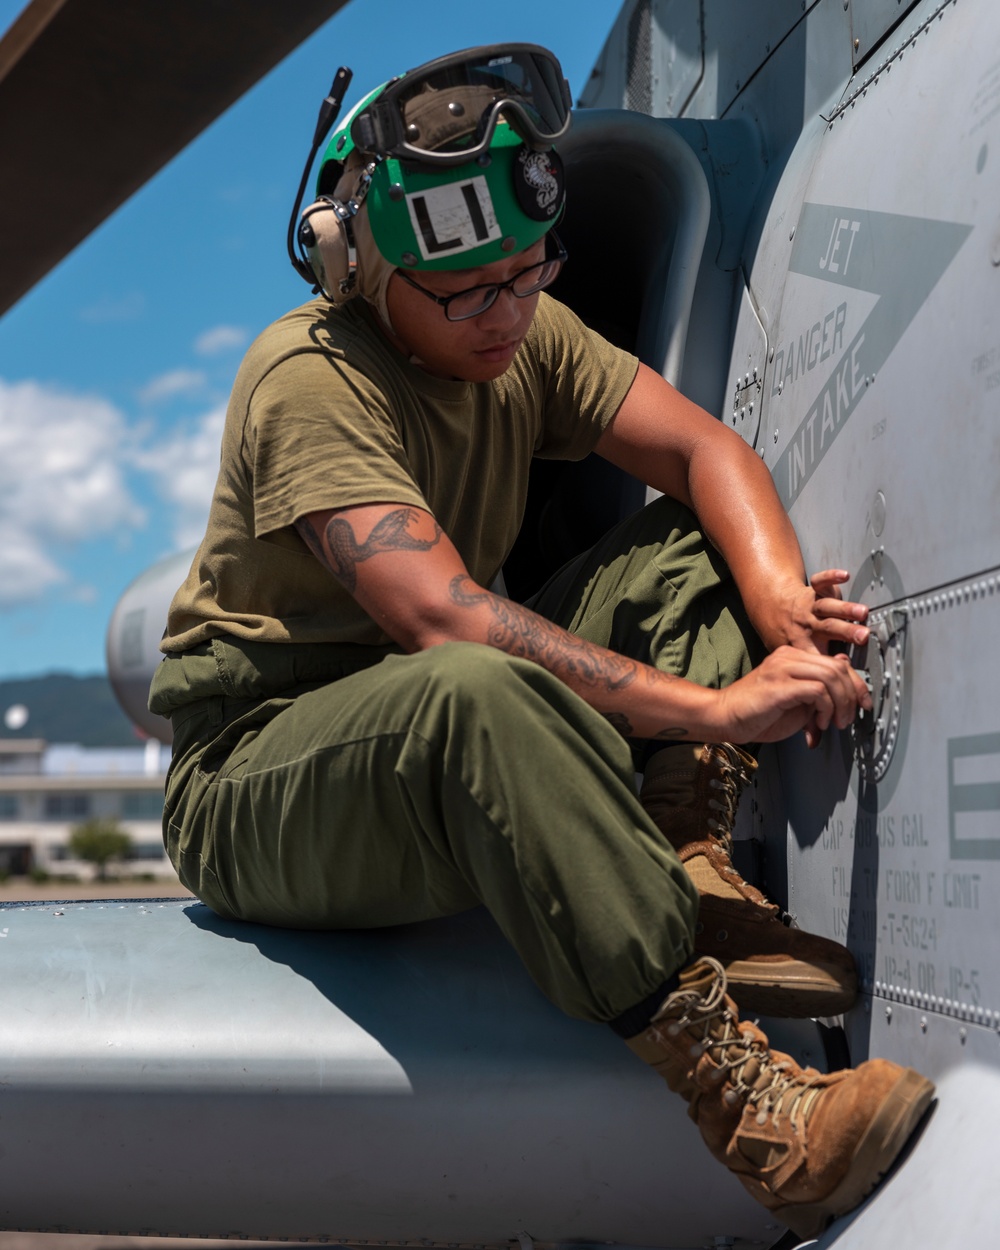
(473, 669)
(488, 686)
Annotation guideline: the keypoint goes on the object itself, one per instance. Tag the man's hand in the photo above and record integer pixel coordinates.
(817, 615)
(794, 688)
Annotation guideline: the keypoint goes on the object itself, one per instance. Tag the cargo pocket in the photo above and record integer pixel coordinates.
(228, 749)
(197, 844)
(196, 876)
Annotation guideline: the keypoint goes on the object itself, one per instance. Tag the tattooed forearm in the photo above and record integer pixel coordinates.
(346, 553)
(619, 721)
(522, 633)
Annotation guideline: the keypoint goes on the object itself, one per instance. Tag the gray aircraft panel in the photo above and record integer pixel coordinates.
(907, 871)
(639, 69)
(677, 58)
(876, 277)
(876, 269)
(871, 20)
(742, 412)
(902, 396)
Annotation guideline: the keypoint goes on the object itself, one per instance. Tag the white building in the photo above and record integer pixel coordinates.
(45, 791)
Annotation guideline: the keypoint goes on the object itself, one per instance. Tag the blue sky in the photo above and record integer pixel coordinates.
(115, 370)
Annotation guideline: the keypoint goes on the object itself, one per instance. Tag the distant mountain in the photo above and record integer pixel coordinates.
(65, 708)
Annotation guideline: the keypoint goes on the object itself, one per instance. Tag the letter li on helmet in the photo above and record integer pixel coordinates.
(449, 166)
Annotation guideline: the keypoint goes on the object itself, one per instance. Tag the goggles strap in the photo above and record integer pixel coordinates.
(364, 184)
(346, 212)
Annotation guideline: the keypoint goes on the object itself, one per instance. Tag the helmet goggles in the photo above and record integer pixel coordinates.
(445, 112)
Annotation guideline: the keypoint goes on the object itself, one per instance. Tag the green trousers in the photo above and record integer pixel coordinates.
(353, 787)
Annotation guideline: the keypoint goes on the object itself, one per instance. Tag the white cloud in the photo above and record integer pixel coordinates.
(62, 461)
(128, 307)
(184, 468)
(221, 339)
(63, 465)
(26, 572)
(83, 593)
(176, 382)
(238, 193)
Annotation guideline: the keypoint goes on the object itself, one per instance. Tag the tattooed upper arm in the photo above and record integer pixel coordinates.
(342, 552)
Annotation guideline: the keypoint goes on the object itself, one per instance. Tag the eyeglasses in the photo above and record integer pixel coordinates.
(445, 112)
(476, 299)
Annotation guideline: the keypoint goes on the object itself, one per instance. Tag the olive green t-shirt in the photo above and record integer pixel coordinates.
(326, 413)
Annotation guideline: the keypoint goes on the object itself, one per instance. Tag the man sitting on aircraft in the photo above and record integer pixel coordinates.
(366, 734)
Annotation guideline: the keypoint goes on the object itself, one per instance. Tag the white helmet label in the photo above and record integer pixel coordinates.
(453, 218)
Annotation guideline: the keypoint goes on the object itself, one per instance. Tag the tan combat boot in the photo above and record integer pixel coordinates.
(691, 792)
(808, 1146)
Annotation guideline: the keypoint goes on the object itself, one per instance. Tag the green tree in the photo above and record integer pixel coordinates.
(99, 842)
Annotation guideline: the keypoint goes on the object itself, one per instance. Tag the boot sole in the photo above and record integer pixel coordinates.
(876, 1152)
(789, 990)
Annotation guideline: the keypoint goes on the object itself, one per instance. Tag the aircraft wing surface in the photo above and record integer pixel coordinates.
(165, 1071)
(97, 95)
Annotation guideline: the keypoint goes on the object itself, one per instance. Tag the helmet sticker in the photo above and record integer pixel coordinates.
(538, 183)
(453, 218)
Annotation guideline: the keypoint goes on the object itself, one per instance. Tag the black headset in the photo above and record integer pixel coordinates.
(325, 235)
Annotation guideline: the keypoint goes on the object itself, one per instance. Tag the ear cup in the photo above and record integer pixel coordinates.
(327, 235)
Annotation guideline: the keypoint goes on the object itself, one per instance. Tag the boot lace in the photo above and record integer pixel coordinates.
(729, 784)
(756, 1078)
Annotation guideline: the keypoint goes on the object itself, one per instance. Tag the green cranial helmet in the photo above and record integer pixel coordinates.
(462, 169)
